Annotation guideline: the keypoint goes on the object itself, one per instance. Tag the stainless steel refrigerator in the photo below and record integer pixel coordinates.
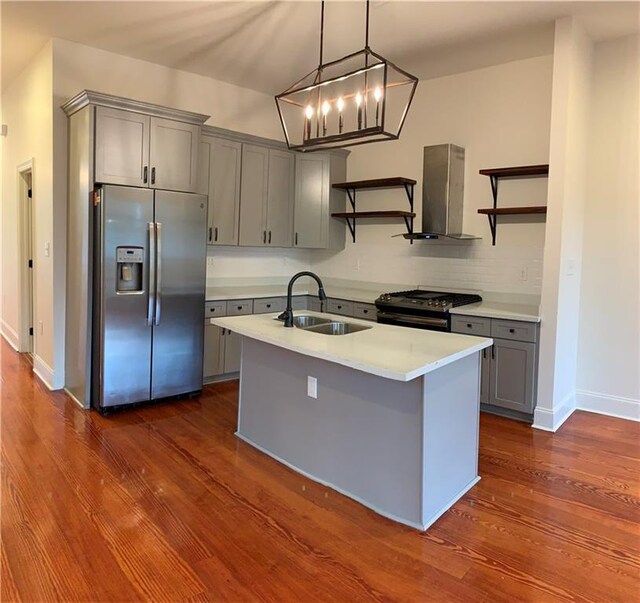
(149, 294)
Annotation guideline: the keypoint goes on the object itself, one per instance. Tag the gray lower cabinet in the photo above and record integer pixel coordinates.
(508, 372)
(512, 373)
(315, 201)
(266, 197)
(219, 178)
(221, 352)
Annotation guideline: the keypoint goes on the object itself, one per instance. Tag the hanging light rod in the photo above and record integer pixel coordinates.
(358, 99)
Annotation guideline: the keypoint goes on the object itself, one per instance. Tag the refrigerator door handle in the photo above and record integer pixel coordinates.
(158, 292)
(152, 273)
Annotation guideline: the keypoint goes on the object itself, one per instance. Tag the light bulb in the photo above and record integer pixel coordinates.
(309, 112)
(377, 94)
(340, 104)
(325, 108)
(358, 99)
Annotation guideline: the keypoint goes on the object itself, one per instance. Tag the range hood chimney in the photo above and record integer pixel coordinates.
(442, 193)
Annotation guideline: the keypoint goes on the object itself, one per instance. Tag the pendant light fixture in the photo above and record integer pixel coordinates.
(357, 99)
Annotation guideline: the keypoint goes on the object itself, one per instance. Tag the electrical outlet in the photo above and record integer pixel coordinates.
(209, 262)
(571, 267)
(40, 327)
(47, 249)
(524, 274)
(312, 387)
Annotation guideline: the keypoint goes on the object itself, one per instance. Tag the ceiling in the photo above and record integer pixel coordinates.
(268, 45)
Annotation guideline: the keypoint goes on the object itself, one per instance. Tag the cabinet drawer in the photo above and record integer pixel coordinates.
(215, 308)
(472, 325)
(238, 307)
(299, 302)
(340, 306)
(513, 329)
(268, 304)
(366, 311)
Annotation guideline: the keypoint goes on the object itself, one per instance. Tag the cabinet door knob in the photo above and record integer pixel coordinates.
(469, 324)
(512, 330)
(493, 352)
(153, 175)
(269, 237)
(215, 233)
(209, 234)
(145, 174)
(296, 238)
(239, 307)
(264, 237)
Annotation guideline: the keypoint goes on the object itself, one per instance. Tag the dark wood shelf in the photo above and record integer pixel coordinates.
(390, 213)
(504, 211)
(522, 171)
(378, 183)
(357, 185)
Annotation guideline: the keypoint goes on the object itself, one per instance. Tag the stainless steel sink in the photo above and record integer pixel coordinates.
(304, 321)
(336, 328)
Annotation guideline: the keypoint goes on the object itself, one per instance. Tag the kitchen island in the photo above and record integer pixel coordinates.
(393, 420)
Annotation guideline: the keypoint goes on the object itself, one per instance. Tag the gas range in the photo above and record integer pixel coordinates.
(421, 309)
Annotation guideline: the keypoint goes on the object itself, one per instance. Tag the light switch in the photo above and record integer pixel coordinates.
(312, 387)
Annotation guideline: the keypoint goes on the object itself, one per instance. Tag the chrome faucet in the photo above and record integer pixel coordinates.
(287, 315)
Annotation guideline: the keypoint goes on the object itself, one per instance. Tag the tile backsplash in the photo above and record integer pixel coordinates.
(436, 264)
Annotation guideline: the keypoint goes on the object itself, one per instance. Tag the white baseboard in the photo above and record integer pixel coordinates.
(10, 335)
(552, 420)
(612, 406)
(44, 371)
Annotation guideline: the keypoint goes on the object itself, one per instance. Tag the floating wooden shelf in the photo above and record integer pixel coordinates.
(358, 185)
(390, 213)
(521, 171)
(378, 183)
(503, 211)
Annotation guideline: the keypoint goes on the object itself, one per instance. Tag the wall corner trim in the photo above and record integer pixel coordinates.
(10, 335)
(45, 373)
(552, 420)
(612, 406)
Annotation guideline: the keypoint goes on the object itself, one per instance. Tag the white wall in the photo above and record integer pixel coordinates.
(501, 116)
(27, 111)
(560, 303)
(608, 374)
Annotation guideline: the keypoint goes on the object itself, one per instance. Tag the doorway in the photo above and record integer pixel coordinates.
(26, 257)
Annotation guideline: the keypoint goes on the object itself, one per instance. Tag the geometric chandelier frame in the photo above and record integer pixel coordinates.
(358, 99)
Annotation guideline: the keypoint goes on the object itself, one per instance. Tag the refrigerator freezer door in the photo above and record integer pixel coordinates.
(125, 346)
(178, 333)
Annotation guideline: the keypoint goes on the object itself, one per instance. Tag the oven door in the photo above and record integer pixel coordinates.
(430, 323)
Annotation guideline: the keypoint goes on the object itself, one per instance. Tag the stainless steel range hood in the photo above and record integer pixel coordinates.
(442, 194)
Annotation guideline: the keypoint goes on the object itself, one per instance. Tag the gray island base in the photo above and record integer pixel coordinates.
(408, 450)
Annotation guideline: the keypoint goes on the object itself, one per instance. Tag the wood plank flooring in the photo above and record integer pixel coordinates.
(166, 504)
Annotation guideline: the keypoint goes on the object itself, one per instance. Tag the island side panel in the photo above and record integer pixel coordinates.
(451, 422)
(361, 436)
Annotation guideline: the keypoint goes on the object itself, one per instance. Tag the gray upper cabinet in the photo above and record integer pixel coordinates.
(173, 155)
(280, 191)
(253, 195)
(266, 196)
(315, 201)
(219, 177)
(141, 150)
(122, 147)
(311, 201)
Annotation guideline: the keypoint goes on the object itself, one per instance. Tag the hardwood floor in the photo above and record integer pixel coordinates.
(165, 504)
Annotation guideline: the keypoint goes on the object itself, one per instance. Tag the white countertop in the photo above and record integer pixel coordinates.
(388, 351)
(493, 309)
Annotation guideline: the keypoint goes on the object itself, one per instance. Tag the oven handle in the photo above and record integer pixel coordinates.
(414, 320)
